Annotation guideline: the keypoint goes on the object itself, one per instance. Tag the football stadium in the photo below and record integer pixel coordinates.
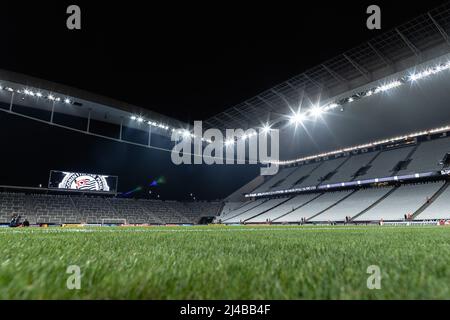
(358, 208)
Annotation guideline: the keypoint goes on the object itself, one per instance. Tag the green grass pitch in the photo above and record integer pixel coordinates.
(266, 262)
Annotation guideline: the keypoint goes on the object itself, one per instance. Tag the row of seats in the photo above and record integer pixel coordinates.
(60, 209)
(424, 157)
(365, 204)
(257, 210)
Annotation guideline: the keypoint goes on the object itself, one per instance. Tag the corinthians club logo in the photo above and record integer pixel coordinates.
(83, 181)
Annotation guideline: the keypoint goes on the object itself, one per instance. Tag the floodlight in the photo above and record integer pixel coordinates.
(316, 111)
(297, 118)
(266, 128)
(186, 133)
(229, 142)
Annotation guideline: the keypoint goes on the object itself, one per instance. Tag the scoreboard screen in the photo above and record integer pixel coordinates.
(82, 181)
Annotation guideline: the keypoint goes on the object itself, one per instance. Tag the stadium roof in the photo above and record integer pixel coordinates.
(416, 41)
(33, 93)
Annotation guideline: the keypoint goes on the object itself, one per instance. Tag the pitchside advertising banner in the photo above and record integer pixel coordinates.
(78, 181)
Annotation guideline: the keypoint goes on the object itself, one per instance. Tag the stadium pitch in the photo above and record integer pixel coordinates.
(226, 262)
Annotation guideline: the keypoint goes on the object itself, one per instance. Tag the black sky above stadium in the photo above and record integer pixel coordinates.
(188, 60)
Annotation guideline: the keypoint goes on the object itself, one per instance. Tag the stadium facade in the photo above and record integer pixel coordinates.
(364, 138)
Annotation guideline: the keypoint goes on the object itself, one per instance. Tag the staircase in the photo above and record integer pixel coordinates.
(251, 207)
(256, 215)
(432, 199)
(408, 157)
(374, 204)
(302, 205)
(334, 204)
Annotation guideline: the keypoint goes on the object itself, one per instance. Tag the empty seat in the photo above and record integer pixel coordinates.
(274, 180)
(285, 208)
(438, 209)
(353, 205)
(427, 156)
(300, 172)
(347, 171)
(325, 168)
(314, 207)
(267, 205)
(383, 165)
(406, 199)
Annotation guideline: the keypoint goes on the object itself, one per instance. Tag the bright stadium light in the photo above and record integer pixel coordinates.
(67, 100)
(389, 86)
(133, 117)
(297, 118)
(330, 106)
(140, 119)
(316, 111)
(39, 95)
(186, 133)
(266, 128)
(229, 142)
(51, 97)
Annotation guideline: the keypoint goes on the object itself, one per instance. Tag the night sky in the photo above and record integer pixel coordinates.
(189, 61)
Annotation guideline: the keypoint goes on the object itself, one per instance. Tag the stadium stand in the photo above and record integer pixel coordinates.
(383, 165)
(265, 206)
(194, 210)
(348, 170)
(371, 203)
(275, 180)
(66, 209)
(135, 210)
(325, 170)
(300, 174)
(313, 208)
(439, 208)
(406, 199)
(284, 208)
(425, 200)
(353, 205)
(230, 206)
(427, 156)
(241, 209)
